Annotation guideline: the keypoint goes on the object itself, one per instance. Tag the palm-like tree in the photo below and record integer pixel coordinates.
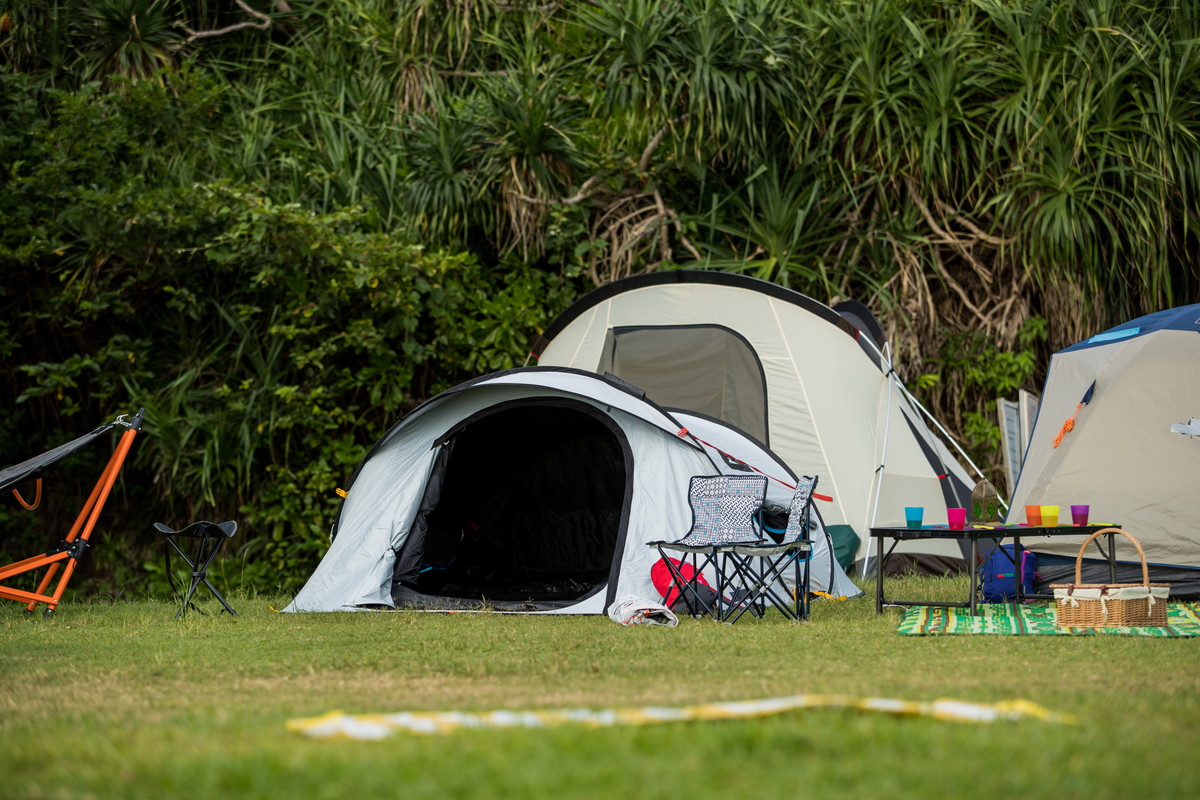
(130, 38)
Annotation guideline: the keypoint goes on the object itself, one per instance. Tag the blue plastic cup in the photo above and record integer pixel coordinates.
(913, 515)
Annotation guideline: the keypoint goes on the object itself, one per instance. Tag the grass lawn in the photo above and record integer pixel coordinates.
(122, 700)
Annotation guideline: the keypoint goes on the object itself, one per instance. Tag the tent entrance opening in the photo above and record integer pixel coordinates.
(524, 506)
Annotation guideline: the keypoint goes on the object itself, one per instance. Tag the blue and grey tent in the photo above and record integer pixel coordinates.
(1118, 428)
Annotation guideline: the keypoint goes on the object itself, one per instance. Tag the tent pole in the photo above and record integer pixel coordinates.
(882, 468)
(928, 416)
(948, 438)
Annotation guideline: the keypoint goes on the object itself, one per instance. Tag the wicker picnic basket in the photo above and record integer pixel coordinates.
(1110, 605)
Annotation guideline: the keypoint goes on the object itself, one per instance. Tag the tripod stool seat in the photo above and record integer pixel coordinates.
(208, 538)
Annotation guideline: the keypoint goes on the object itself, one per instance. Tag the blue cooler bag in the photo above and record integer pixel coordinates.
(998, 575)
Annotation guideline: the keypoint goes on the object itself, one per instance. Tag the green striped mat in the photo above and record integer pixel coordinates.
(1183, 619)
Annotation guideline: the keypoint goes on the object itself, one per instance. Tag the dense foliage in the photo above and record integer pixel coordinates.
(279, 225)
(269, 343)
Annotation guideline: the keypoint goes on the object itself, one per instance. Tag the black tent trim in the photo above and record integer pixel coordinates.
(610, 290)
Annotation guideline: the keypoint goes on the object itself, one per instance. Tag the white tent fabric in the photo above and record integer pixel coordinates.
(1132, 453)
(828, 402)
(391, 489)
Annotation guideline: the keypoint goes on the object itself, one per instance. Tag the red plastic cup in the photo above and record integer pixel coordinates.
(957, 518)
(1033, 516)
(1079, 515)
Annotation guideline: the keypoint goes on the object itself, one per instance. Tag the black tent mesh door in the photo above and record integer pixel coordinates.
(529, 509)
(708, 369)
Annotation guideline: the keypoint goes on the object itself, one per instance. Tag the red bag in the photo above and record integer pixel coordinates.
(660, 576)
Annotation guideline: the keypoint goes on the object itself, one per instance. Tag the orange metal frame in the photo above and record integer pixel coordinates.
(71, 548)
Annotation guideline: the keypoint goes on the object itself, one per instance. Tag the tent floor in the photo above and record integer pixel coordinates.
(406, 598)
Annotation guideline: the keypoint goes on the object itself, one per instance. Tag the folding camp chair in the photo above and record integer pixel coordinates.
(208, 536)
(760, 567)
(70, 549)
(724, 512)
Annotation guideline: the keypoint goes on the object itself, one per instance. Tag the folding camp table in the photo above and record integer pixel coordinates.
(972, 534)
(70, 549)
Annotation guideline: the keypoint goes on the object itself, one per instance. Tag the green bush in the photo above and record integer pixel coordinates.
(269, 344)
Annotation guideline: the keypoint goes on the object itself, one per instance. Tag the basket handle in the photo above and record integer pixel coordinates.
(1136, 543)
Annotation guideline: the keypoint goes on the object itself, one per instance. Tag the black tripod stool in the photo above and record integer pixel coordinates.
(209, 537)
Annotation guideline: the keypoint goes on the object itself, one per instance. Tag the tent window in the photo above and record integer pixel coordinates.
(704, 368)
(529, 509)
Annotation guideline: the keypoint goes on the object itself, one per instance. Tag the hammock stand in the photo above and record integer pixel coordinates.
(70, 549)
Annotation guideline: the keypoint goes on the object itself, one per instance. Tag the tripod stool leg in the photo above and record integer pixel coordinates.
(196, 578)
(217, 595)
(206, 553)
(191, 565)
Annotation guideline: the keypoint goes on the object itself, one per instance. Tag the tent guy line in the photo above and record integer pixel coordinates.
(824, 497)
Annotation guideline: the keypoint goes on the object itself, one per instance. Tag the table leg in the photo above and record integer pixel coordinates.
(1112, 559)
(974, 571)
(879, 575)
(1018, 569)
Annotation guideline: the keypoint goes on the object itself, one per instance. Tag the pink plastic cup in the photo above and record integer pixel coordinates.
(957, 518)
(1079, 515)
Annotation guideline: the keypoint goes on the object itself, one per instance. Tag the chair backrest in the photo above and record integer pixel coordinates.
(800, 509)
(724, 508)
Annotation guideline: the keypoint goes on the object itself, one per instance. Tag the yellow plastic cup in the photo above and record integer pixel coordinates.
(1049, 515)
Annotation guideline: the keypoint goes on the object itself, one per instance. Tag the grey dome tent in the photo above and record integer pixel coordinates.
(1131, 450)
(531, 490)
(813, 383)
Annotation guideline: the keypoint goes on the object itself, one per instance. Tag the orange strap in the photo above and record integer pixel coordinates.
(1067, 426)
(37, 497)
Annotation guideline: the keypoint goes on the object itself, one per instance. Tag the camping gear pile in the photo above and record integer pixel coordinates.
(537, 489)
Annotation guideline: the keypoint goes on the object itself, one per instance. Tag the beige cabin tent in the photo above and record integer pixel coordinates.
(810, 382)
